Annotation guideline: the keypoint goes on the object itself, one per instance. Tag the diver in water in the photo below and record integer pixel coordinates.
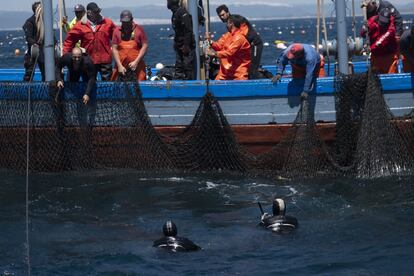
(278, 222)
(172, 242)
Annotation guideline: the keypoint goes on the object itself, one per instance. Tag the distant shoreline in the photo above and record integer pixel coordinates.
(214, 19)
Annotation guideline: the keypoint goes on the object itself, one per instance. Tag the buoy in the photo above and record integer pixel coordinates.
(159, 66)
(281, 46)
(303, 32)
(292, 32)
(279, 41)
(279, 32)
(17, 52)
(266, 44)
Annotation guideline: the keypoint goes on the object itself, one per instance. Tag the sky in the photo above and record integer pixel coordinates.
(21, 5)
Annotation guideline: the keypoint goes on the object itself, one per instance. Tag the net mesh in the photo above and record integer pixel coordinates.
(115, 131)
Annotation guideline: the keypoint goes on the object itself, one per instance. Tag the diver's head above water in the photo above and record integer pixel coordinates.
(279, 207)
(169, 229)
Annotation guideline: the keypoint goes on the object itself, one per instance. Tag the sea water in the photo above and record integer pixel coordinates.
(160, 39)
(104, 222)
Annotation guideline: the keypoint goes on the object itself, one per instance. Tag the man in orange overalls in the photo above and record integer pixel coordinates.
(233, 50)
(129, 46)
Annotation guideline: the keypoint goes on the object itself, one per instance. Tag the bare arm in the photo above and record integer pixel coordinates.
(121, 68)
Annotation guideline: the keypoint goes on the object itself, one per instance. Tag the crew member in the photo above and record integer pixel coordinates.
(95, 35)
(407, 50)
(79, 66)
(34, 32)
(375, 7)
(184, 41)
(279, 222)
(172, 242)
(80, 12)
(305, 62)
(383, 43)
(233, 50)
(256, 43)
(129, 46)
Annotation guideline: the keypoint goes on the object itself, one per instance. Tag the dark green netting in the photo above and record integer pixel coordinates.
(115, 131)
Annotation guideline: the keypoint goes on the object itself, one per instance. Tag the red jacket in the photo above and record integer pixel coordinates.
(97, 44)
(382, 40)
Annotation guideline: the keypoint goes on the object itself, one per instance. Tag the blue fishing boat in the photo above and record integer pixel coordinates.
(258, 110)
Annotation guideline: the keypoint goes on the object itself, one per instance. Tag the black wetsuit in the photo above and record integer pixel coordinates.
(175, 244)
(279, 224)
(398, 19)
(256, 49)
(30, 31)
(184, 44)
(86, 71)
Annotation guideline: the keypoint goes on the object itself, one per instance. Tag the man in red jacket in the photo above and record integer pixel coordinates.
(95, 35)
(383, 43)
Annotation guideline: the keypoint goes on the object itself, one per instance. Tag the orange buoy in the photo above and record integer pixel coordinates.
(17, 52)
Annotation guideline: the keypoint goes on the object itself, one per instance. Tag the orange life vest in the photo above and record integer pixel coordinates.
(128, 52)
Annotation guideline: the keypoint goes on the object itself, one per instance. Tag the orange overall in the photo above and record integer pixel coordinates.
(233, 49)
(128, 52)
(299, 72)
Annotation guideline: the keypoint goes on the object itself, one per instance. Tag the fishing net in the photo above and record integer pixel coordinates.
(114, 131)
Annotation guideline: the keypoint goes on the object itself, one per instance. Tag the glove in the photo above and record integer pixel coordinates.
(276, 78)
(364, 29)
(304, 95)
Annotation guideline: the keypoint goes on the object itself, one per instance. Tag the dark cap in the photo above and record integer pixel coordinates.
(92, 6)
(126, 16)
(295, 51)
(79, 8)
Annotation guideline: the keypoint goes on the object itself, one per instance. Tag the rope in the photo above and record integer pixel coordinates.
(318, 24)
(29, 115)
(354, 20)
(39, 24)
(325, 33)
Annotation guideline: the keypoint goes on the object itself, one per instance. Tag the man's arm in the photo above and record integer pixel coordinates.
(73, 36)
(28, 31)
(144, 48)
(187, 22)
(310, 68)
(91, 73)
(407, 55)
(281, 63)
(232, 48)
(397, 19)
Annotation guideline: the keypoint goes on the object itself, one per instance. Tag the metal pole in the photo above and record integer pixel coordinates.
(60, 7)
(193, 10)
(340, 8)
(207, 14)
(318, 24)
(49, 44)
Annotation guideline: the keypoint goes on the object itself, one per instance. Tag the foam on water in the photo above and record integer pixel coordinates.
(108, 225)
